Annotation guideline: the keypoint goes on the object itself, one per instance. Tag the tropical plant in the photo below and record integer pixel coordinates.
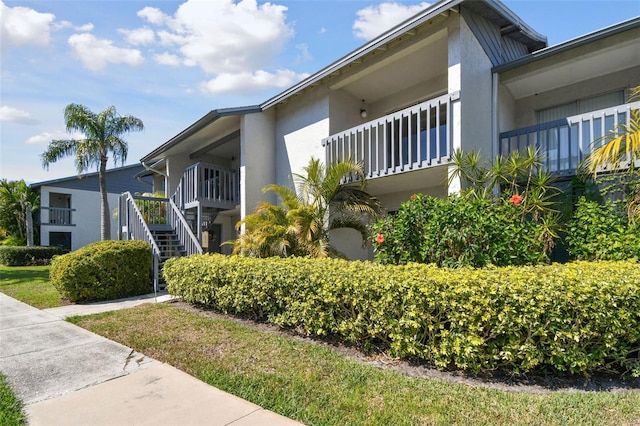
(619, 151)
(620, 148)
(326, 198)
(517, 177)
(103, 136)
(17, 204)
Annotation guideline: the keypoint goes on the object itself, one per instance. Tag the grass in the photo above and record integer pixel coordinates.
(11, 413)
(317, 386)
(31, 285)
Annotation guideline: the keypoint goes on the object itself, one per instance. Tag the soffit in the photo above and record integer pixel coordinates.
(419, 62)
(205, 136)
(605, 56)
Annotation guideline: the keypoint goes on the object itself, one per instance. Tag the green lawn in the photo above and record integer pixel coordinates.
(317, 386)
(31, 285)
(11, 413)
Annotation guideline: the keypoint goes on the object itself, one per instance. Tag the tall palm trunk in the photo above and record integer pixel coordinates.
(105, 220)
(28, 211)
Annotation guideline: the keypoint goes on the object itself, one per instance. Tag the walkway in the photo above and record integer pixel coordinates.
(67, 375)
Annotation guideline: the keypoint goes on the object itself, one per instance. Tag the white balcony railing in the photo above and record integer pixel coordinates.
(564, 143)
(416, 137)
(59, 215)
(208, 184)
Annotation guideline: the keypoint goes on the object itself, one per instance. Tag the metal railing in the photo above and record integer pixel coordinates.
(59, 215)
(416, 137)
(564, 143)
(134, 226)
(202, 182)
(156, 212)
(180, 226)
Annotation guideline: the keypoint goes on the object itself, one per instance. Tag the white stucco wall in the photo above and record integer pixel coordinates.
(176, 164)
(257, 159)
(302, 124)
(475, 92)
(85, 228)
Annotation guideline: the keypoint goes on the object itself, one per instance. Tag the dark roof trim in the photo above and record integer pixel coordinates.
(429, 13)
(570, 44)
(203, 122)
(82, 176)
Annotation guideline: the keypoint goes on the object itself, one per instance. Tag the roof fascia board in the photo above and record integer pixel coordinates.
(516, 20)
(81, 176)
(570, 44)
(194, 128)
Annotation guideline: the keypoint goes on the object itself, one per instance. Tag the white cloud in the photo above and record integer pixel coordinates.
(96, 53)
(140, 36)
(45, 137)
(374, 20)
(167, 58)
(247, 82)
(222, 36)
(14, 115)
(153, 15)
(20, 26)
(85, 28)
(304, 54)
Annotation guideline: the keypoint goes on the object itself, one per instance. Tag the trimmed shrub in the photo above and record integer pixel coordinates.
(458, 231)
(27, 256)
(602, 231)
(578, 318)
(104, 270)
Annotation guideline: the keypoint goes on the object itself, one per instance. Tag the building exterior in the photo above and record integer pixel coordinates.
(70, 207)
(460, 74)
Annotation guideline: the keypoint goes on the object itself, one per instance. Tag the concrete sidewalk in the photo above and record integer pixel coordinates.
(66, 375)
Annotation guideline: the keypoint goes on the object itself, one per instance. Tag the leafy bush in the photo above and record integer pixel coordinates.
(579, 318)
(458, 231)
(26, 256)
(602, 231)
(103, 270)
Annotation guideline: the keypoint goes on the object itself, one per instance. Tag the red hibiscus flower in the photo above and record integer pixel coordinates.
(413, 197)
(379, 238)
(515, 199)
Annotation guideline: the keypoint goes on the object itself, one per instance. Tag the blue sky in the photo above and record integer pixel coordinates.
(170, 62)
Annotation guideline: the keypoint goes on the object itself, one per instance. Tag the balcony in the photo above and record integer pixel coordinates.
(208, 185)
(58, 216)
(564, 143)
(414, 138)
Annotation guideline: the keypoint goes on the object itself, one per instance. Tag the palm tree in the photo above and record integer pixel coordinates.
(621, 145)
(103, 135)
(326, 199)
(17, 203)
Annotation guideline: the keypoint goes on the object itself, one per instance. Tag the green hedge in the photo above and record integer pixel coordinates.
(602, 231)
(459, 231)
(579, 318)
(26, 256)
(103, 270)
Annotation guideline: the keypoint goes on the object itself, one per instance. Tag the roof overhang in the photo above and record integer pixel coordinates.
(596, 54)
(204, 122)
(494, 10)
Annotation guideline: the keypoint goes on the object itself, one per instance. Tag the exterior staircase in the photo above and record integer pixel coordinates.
(169, 245)
(160, 223)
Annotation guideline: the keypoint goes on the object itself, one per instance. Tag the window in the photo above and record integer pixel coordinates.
(580, 106)
(60, 239)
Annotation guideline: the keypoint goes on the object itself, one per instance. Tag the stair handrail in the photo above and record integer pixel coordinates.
(183, 230)
(139, 230)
